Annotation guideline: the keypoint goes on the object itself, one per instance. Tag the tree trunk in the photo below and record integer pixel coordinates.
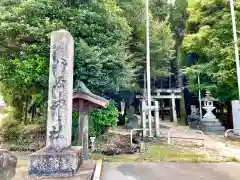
(26, 113)
(128, 103)
(80, 128)
(170, 100)
(183, 114)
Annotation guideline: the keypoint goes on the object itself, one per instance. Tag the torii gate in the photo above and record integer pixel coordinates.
(173, 95)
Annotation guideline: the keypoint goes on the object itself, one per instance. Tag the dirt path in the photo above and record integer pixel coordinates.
(212, 141)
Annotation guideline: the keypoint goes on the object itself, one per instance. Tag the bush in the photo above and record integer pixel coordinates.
(11, 130)
(7, 109)
(75, 117)
(101, 119)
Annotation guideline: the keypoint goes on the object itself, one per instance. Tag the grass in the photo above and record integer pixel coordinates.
(234, 142)
(233, 159)
(158, 153)
(170, 153)
(22, 163)
(120, 158)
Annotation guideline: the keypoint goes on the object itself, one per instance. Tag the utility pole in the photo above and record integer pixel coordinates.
(235, 45)
(145, 86)
(148, 70)
(199, 98)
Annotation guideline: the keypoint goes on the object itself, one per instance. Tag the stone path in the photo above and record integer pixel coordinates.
(212, 141)
(170, 171)
(220, 146)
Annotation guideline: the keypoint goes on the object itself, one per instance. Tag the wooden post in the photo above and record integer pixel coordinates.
(85, 136)
(157, 119)
(143, 117)
(80, 128)
(171, 110)
(162, 110)
(174, 108)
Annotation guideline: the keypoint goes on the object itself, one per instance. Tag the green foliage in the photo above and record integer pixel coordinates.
(109, 39)
(159, 9)
(178, 18)
(161, 41)
(12, 131)
(75, 118)
(101, 119)
(101, 35)
(210, 39)
(162, 46)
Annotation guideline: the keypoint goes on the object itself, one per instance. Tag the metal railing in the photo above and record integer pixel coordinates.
(226, 134)
(169, 137)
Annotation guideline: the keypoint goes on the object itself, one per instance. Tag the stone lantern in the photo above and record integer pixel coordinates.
(209, 121)
(208, 105)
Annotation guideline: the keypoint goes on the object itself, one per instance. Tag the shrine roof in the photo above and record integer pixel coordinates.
(82, 92)
(209, 98)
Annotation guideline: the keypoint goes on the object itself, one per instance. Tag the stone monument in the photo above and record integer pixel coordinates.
(236, 116)
(8, 164)
(58, 158)
(209, 120)
(194, 118)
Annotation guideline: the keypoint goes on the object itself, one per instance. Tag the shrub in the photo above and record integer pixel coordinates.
(101, 119)
(75, 117)
(11, 129)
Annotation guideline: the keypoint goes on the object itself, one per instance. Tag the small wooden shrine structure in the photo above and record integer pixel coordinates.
(84, 101)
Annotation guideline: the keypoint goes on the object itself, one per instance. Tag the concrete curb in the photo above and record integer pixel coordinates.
(98, 169)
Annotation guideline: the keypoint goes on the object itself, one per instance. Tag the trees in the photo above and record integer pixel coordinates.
(101, 35)
(161, 43)
(178, 20)
(109, 47)
(23, 57)
(210, 40)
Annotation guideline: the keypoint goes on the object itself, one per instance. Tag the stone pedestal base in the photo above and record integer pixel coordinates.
(8, 164)
(54, 163)
(211, 125)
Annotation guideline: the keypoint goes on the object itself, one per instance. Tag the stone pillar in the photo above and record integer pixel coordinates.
(157, 119)
(174, 108)
(60, 90)
(236, 116)
(143, 117)
(58, 158)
